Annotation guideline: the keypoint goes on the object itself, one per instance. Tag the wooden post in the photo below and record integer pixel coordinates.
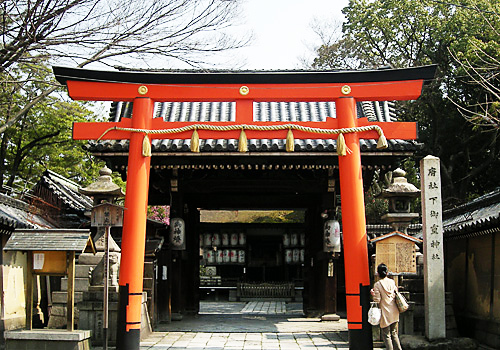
(357, 280)
(107, 230)
(134, 231)
(70, 307)
(29, 291)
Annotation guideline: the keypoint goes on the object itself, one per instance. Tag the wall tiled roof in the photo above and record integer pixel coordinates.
(18, 214)
(480, 214)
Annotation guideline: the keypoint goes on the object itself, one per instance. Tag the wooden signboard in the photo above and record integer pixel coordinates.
(396, 251)
(49, 262)
(107, 215)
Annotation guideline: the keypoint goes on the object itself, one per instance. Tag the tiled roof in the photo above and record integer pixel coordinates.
(376, 230)
(18, 214)
(478, 215)
(44, 240)
(66, 190)
(396, 233)
(263, 111)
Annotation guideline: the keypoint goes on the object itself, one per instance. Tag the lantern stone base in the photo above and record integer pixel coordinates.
(330, 317)
(45, 339)
(91, 315)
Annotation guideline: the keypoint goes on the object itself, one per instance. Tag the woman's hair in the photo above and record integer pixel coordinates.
(382, 270)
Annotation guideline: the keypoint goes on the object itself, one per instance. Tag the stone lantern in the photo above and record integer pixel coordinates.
(104, 277)
(399, 194)
(104, 189)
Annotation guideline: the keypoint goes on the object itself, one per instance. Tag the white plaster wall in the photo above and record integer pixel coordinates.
(14, 277)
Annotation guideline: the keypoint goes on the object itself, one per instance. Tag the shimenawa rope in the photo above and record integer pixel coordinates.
(342, 149)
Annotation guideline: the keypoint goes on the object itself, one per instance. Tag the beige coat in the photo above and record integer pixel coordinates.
(384, 293)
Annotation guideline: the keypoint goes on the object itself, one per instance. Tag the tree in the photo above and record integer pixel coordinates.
(480, 63)
(42, 137)
(81, 32)
(35, 121)
(402, 33)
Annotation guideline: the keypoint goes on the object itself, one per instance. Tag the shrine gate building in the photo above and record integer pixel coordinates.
(301, 172)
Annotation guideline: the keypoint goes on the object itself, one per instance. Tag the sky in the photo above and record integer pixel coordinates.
(282, 30)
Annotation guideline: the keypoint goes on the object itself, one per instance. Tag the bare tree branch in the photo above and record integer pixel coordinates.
(110, 32)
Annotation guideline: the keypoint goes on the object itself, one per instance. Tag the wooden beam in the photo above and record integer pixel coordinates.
(365, 91)
(93, 131)
(29, 291)
(70, 305)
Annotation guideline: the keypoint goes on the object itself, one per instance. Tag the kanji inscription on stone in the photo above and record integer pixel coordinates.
(432, 225)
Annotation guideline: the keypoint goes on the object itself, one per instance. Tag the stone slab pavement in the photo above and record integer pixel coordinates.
(255, 325)
(249, 326)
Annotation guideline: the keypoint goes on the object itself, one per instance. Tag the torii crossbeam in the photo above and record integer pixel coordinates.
(145, 88)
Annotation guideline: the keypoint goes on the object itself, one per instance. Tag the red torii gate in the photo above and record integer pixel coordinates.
(145, 88)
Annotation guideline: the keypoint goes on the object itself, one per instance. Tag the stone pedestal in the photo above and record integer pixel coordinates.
(330, 317)
(47, 339)
(91, 314)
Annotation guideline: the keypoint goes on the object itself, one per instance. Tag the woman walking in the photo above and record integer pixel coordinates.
(384, 292)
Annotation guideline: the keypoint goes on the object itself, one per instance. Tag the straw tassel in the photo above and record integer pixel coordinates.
(382, 142)
(146, 146)
(243, 142)
(195, 142)
(341, 146)
(290, 141)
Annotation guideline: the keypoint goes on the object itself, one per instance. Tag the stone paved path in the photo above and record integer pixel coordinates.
(252, 307)
(249, 326)
(245, 341)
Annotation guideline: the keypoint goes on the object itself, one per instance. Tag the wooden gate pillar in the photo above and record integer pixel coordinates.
(357, 276)
(134, 231)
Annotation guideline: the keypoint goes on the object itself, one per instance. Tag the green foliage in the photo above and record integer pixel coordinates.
(42, 138)
(403, 33)
(374, 208)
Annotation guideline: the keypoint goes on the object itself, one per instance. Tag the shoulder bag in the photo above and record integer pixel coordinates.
(401, 302)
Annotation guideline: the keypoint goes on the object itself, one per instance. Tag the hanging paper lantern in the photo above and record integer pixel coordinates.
(331, 236)
(177, 234)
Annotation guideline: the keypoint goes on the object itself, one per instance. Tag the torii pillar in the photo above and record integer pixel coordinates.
(143, 88)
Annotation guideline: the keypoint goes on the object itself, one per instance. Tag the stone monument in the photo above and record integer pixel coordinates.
(432, 225)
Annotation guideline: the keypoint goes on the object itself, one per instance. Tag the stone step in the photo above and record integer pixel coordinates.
(62, 297)
(98, 295)
(413, 285)
(81, 284)
(419, 298)
(147, 283)
(90, 259)
(58, 316)
(83, 271)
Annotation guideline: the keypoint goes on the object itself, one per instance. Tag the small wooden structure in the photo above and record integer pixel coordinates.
(51, 252)
(396, 250)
